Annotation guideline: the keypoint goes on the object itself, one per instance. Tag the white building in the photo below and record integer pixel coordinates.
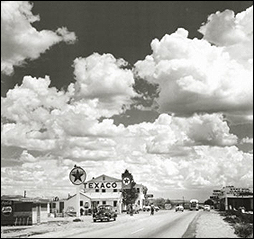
(103, 190)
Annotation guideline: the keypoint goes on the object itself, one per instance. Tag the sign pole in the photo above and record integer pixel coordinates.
(78, 201)
(77, 176)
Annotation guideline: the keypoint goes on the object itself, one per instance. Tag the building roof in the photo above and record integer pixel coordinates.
(83, 194)
(26, 199)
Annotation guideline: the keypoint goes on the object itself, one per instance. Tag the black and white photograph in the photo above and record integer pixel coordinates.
(126, 119)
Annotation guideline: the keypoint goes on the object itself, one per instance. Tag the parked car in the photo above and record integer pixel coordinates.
(146, 208)
(179, 208)
(104, 212)
(207, 208)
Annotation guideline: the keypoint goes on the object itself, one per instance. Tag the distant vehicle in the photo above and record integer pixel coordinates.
(194, 204)
(146, 208)
(207, 208)
(104, 212)
(179, 208)
(156, 208)
(168, 206)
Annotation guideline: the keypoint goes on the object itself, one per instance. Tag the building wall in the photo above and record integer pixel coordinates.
(71, 202)
(40, 213)
(104, 190)
(25, 213)
(230, 203)
(141, 198)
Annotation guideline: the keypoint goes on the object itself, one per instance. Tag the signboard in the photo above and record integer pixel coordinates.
(77, 175)
(127, 180)
(7, 217)
(99, 185)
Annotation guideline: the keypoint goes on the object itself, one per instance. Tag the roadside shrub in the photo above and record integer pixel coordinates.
(244, 230)
(232, 219)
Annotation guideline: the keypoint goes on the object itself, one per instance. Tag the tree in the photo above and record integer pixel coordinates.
(129, 192)
(209, 202)
(160, 202)
(130, 195)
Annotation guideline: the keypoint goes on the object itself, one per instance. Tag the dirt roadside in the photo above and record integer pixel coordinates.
(210, 225)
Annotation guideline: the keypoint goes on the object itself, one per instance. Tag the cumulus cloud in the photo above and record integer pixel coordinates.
(103, 79)
(45, 119)
(197, 76)
(20, 40)
(246, 140)
(206, 167)
(37, 178)
(226, 28)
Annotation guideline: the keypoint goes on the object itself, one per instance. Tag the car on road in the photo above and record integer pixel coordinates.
(146, 208)
(156, 208)
(104, 213)
(207, 208)
(179, 208)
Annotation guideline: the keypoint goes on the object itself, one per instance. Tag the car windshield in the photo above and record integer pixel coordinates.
(105, 207)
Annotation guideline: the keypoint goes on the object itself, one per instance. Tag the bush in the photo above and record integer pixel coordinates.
(232, 219)
(244, 230)
(242, 222)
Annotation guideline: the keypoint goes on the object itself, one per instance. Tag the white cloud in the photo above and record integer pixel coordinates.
(226, 28)
(194, 152)
(196, 76)
(247, 140)
(46, 119)
(20, 40)
(101, 78)
(167, 150)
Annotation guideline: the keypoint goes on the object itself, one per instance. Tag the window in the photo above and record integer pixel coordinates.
(97, 190)
(138, 190)
(114, 190)
(103, 190)
(81, 203)
(103, 178)
(115, 203)
(103, 202)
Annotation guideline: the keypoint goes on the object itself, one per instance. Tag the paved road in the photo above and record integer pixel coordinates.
(164, 224)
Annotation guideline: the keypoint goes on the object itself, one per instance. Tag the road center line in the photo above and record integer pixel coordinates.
(138, 230)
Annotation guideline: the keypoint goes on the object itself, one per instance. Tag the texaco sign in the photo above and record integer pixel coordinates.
(77, 175)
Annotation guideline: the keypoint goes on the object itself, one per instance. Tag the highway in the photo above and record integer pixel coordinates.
(163, 224)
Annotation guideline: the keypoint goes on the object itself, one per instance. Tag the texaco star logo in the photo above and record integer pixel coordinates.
(126, 181)
(77, 175)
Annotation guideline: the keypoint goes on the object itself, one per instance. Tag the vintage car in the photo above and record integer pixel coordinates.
(156, 208)
(179, 208)
(207, 208)
(146, 208)
(104, 212)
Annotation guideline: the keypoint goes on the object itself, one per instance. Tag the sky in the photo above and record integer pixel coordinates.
(163, 89)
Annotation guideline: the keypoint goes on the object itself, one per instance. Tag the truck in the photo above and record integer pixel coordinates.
(194, 204)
